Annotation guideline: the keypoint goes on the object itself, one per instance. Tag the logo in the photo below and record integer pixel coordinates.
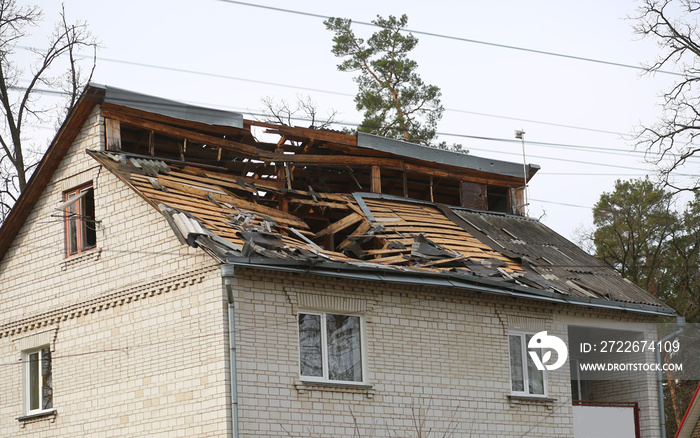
(542, 341)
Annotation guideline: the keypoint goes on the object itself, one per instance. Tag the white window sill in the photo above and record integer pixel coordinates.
(531, 398)
(92, 254)
(40, 415)
(305, 386)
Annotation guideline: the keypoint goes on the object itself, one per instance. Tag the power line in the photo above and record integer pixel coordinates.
(339, 93)
(466, 40)
(562, 203)
(545, 144)
(475, 137)
(319, 90)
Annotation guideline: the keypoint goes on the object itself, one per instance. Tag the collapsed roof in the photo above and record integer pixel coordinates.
(361, 206)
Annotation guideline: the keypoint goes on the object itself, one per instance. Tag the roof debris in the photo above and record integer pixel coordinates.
(296, 200)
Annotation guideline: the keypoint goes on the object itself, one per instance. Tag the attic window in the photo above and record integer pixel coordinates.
(80, 220)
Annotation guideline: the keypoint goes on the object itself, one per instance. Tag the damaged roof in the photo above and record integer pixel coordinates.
(293, 198)
(373, 232)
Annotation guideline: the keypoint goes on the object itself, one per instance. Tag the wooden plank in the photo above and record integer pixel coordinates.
(152, 145)
(361, 229)
(213, 181)
(274, 213)
(335, 137)
(456, 233)
(330, 160)
(190, 204)
(444, 261)
(113, 135)
(387, 251)
(390, 260)
(335, 205)
(345, 222)
(432, 199)
(181, 133)
(197, 185)
(405, 185)
(376, 179)
(228, 131)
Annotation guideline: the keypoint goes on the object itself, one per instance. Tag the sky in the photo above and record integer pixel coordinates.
(578, 116)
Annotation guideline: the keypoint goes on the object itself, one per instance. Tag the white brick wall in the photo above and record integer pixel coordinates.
(444, 352)
(141, 347)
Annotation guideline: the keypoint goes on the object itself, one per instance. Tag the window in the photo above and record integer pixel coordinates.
(525, 378)
(80, 220)
(330, 348)
(38, 391)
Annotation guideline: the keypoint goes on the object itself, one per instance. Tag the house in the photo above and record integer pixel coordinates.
(174, 270)
(690, 425)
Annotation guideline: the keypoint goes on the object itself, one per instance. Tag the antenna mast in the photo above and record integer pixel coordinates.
(520, 134)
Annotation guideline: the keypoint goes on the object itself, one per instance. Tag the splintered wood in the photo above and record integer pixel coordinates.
(403, 220)
(334, 226)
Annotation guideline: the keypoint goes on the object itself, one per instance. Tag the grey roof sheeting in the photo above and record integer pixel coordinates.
(171, 108)
(441, 156)
(552, 257)
(390, 274)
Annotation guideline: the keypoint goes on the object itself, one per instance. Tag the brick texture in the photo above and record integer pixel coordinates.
(141, 341)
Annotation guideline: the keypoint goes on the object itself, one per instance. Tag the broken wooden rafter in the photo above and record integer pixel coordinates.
(173, 131)
(345, 222)
(335, 137)
(335, 205)
(361, 229)
(332, 160)
(444, 261)
(274, 213)
(391, 260)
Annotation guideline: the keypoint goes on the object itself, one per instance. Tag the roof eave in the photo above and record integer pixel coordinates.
(444, 157)
(361, 271)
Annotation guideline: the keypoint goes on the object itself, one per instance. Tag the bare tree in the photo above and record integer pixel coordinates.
(670, 142)
(55, 67)
(305, 111)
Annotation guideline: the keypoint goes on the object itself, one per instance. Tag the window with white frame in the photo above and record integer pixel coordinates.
(525, 378)
(38, 388)
(81, 233)
(331, 347)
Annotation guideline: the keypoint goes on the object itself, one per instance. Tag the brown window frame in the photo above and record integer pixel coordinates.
(81, 234)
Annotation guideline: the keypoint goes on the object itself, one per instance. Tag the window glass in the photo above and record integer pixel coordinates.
(535, 377)
(344, 348)
(46, 381)
(330, 347)
(81, 232)
(88, 213)
(39, 385)
(34, 381)
(73, 225)
(516, 363)
(310, 348)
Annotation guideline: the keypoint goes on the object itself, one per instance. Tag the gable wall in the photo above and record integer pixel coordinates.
(137, 325)
(36, 273)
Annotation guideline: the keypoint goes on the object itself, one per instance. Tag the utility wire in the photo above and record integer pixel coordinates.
(339, 93)
(318, 90)
(448, 134)
(466, 40)
(592, 148)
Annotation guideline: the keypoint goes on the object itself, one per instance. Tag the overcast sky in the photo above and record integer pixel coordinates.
(231, 55)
